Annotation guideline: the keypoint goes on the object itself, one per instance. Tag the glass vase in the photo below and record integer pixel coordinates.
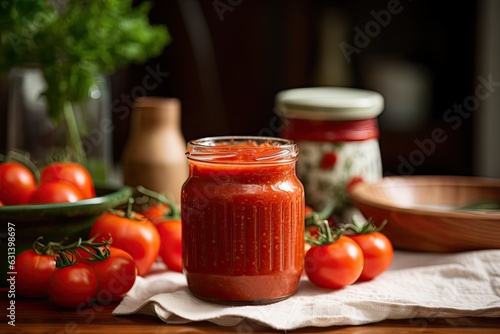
(31, 130)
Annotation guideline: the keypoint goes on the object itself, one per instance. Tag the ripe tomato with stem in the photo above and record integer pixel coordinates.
(115, 271)
(334, 261)
(376, 247)
(131, 232)
(72, 285)
(33, 273)
(166, 217)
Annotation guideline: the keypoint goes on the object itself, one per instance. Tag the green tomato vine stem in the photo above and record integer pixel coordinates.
(66, 255)
(357, 226)
(325, 234)
(130, 213)
(174, 210)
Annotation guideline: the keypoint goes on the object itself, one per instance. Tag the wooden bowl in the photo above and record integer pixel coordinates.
(423, 215)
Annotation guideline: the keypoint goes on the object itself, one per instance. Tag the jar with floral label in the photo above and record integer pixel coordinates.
(337, 134)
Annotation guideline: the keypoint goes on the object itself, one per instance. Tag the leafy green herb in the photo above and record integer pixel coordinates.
(73, 41)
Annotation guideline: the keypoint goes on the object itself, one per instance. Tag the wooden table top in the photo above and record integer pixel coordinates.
(39, 316)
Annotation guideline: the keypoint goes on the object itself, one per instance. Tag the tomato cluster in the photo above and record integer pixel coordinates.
(137, 242)
(91, 272)
(355, 252)
(59, 182)
(155, 231)
(132, 233)
(143, 239)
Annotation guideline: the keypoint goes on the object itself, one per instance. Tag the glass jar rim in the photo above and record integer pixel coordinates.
(242, 150)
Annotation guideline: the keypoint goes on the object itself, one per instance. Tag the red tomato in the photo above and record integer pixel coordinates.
(17, 183)
(72, 286)
(70, 172)
(334, 265)
(170, 231)
(377, 252)
(115, 275)
(157, 213)
(308, 210)
(1, 204)
(135, 235)
(171, 243)
(33, 273)
(56, 192)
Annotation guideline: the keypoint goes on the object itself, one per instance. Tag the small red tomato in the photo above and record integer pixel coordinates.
(157, 213)
(56, 192)
(72, 286)
(17, 183)
(308, 210)
(134, 234)
(334, 265)
(171, 243)
(377, 252)
(115, 275)
(170, 230)
(33, 273)
(71, 172)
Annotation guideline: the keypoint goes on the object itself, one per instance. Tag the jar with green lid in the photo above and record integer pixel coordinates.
(337, 134)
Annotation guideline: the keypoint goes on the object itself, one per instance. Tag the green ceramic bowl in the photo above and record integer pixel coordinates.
(25, 223)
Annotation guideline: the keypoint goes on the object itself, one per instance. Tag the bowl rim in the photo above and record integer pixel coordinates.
(116, 196)
(358, 195)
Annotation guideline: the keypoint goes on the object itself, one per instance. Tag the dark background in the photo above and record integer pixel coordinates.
(226, 67)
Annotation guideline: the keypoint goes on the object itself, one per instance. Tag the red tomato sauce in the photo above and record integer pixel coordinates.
(243, 224)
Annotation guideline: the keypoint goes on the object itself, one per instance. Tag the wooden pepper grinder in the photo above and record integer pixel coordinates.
(154, 155)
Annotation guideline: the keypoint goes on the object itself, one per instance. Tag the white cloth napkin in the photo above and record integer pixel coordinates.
(418, 285)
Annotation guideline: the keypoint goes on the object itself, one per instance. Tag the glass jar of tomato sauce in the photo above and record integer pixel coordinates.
(243, 220)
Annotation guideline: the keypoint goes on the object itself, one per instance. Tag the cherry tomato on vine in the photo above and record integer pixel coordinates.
(334, 265)
(308, 210)
(312, 230)
(171, 243)
(377, 248)
(17, 183)
(72, 286)
(133, 233)
(56, 192)
(167, 222)
(33, 273)
(157, 213)
(115, 275)
(71, 172)
(377, 252)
